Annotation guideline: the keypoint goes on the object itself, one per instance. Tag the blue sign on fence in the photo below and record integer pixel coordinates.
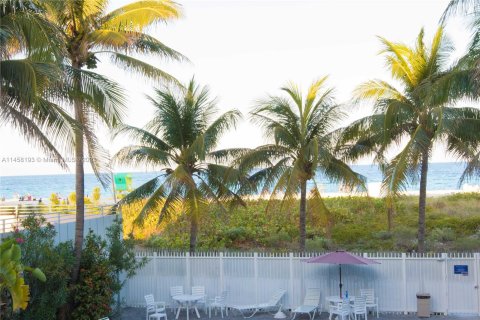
(460, 269)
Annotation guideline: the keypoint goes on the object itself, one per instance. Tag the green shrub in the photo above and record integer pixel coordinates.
(55, 261)
(93, 295)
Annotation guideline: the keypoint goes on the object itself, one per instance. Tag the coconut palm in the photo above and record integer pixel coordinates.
(304, 143)
(419, 113)
(180, 140)
(470, 62)
(91, 32)
(30, 47)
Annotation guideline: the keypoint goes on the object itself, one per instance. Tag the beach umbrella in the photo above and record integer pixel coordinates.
(341, 257)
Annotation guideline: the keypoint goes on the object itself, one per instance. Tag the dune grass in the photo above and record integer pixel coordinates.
(354, 223)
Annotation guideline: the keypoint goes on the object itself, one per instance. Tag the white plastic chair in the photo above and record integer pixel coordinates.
(371, 301)
(176, 291)
(359, 307)
(270, 305)
(154, 310)
(310, 303)
(342, 310)
(218, 302)
(200, 291)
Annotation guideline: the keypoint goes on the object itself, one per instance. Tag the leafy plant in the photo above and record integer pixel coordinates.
(56, 261)
(93, 294)
(12, 273)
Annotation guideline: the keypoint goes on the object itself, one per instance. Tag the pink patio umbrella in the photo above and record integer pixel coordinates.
(341, 257)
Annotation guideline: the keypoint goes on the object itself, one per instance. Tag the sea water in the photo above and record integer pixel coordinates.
(441, 176)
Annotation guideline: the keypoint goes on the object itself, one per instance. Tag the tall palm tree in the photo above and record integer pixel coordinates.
(304, 143)
(90, 32)
(181, 140)
(30, 47)
(419, 113)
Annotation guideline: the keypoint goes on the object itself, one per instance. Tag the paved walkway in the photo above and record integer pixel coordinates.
(139, 314)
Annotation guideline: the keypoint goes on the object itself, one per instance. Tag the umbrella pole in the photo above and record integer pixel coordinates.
(340, 285)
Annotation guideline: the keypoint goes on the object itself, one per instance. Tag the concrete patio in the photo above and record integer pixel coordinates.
(139, 314)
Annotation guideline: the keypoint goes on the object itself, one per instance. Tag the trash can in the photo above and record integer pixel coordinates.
(423, 305)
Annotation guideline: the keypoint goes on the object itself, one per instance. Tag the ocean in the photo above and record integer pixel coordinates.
(441, 176)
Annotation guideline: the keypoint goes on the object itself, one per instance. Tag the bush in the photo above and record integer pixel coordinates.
(93, 295)
(55, 261)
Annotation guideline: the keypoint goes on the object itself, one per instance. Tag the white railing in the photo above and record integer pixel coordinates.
(97, 218)
(253, 277)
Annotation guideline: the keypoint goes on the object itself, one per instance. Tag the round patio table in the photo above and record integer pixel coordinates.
(188, 299)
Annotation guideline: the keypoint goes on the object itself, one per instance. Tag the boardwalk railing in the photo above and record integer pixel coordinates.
(97, 218)
(253, 277)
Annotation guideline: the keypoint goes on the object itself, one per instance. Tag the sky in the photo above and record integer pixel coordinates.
(245, 50)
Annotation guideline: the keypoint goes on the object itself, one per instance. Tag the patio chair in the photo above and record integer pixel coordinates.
(270, 305)
(218, 302)
(359, 307)
(175, 291)
(200, 290)
(342, 310)
(155, 310)
(371, 301)
(310, 303)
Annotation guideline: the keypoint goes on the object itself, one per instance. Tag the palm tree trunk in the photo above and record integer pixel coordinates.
(422, 201)
(303, 213)
(390, 213)
(193, 233)
(79, 182)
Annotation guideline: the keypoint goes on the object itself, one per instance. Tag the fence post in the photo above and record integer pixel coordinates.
(445, 281)
(476, 267)
(404, 282)
(222, 283)
(4, 227)
(16, 214)
(188, 280)
(291, 295)
(58, 227)
(155, 261)
(255, 271)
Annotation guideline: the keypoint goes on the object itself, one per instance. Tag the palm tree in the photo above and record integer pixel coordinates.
(89, 32)
(304, 143)
(181, 140)
(420, 113)
(471, 63)
(30, 47)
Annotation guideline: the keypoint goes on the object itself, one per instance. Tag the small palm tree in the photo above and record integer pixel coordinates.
(304, 143)
(30, 47)
(181, 141)
(420, 114)
(89, 32)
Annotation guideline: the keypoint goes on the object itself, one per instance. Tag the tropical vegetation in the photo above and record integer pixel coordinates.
(357, 223)
(181, 141)
(89, 32)
(12, 273)
(304, 144)
(419, 111)
(30, 48)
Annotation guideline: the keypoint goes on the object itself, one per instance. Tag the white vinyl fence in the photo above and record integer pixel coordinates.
(254, 277)
(97, 219)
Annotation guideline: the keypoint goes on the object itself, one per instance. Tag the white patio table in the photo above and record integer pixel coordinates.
(188, 299)
(335, 300)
